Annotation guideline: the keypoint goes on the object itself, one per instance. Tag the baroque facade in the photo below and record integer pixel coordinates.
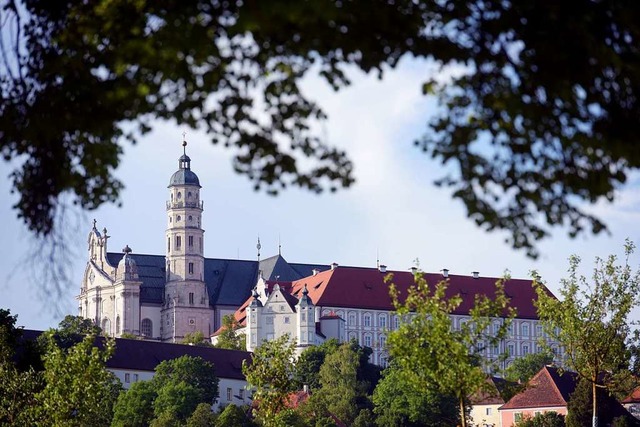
(165, 297)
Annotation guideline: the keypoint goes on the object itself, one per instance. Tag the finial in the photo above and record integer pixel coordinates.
(127, 250)
(184, 143)
(277, 277)
(305, 291)
(279, 245)
(258, 247)
(94, 223)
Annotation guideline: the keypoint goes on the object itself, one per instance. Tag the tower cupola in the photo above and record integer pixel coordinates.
(184, 175)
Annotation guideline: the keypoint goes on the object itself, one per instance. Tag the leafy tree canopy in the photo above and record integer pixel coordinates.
(591, 321)
(72, 330)
(78, 390)
(194, 371)
(340, 393)
(196, 338)
(537, 110)
(134, 407)
(522, 369)
(399, 402)
(233, 416)
(229, 338)
(270, 373)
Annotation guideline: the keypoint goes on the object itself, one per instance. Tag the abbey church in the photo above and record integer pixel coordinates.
(164, 297)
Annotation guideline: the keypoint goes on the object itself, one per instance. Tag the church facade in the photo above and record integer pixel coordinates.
(165, 297)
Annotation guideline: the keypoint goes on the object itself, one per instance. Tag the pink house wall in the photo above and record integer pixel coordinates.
(508, 416)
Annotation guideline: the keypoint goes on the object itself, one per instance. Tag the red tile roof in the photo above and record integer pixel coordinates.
(365, 288)
(633, 397)
(360, 287)
(546, 389)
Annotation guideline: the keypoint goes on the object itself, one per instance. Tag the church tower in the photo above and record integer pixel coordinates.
(186, 301)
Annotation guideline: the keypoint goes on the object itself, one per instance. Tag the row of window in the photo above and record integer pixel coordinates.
(179, 195)
(178, 243)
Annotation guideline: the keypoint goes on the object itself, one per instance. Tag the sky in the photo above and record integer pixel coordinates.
(393, 211)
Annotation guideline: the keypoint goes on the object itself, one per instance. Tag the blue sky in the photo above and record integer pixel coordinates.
(392, 210)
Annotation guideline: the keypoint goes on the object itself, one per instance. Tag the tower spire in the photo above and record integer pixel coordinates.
(184, 143)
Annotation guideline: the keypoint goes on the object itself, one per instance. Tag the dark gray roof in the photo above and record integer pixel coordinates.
(229, 281)
(145, 355)
(184, 177)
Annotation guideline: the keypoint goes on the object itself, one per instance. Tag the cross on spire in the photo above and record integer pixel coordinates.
(184, 143)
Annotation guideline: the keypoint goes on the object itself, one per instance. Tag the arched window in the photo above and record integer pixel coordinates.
(367, 320)
(146, 328)
(118, 325)
(383, 341)
(367, 340)
(382, 321)
(106, 326)
(179, 195)
(189, 195)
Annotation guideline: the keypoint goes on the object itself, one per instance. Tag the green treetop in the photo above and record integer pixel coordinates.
(591, 320)
(443, 357)
(270, 373)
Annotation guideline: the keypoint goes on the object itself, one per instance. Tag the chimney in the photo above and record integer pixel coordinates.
(445, 272)
(476, 274)
(382, 268)
(334, 265)
(315, 272)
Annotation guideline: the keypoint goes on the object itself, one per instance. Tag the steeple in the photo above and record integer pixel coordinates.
(186, 301)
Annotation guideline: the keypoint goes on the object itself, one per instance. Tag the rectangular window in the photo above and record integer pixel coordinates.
(241, 394)
(190, 268)
(135, 378)
(229, 394)
(352, 319)
(168, 244)
(191, 298)
(367, 320)
(396, 322)
(367, 340)
(525, 330)
(511, 350)
(178, 242)
(127, 378)
(190, 241)
(488, 411)
(286, 320)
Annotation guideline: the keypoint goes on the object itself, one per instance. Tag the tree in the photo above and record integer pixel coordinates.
(202, 416)
(72, 330)
(340, 391)
(398, 402)
(591, 321)
(524, 368)
(194, 371)
(580, 407)
(233, 416)
(228, 337)
(196, 338)
(307, 369)
(524, 129)
(445, 358)
(545, 419)
(270, 373)
(78, 390)
(134, 407)
(177, 398)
